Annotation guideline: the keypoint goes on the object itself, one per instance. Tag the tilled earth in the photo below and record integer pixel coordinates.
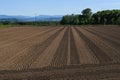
(60, 53)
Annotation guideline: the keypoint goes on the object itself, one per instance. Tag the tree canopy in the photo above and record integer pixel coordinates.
(105, 17)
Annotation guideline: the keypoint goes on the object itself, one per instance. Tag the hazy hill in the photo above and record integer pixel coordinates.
(28, 18)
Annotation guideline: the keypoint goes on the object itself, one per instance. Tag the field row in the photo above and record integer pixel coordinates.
(49, 48)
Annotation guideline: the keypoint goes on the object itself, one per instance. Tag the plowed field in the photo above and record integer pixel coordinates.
(60, 53)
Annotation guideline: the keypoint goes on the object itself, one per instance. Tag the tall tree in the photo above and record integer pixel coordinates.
(104, 17)
(87, 13)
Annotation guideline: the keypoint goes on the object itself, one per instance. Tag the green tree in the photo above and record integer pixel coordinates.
(87, 13)
(101, 17)
(76, 20)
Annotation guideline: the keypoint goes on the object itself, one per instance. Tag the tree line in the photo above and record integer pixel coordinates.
(34, 23)
(105, 17)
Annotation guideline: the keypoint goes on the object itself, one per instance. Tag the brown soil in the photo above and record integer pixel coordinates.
(60, 53)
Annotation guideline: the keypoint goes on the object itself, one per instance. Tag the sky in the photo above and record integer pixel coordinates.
(54, 7)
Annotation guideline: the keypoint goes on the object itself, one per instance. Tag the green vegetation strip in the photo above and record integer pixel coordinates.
(5, 26)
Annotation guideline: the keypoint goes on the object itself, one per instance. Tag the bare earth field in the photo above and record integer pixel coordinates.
(60, 53)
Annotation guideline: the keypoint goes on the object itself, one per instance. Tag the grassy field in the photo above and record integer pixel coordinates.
(5, 26)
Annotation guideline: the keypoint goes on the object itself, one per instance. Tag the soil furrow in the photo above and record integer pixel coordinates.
(20, 47)
(60, 53)
(74, 56)
(104, 45)
(102, 57)
(86, 56)
(19, 60)
(25, 61)
(108, 31)
(60, 57)
(69, 48)
(79, 73)
(114, 42)
(46, 57)
(20, 37)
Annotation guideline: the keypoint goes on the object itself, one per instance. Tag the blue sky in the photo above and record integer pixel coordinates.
(54, 7)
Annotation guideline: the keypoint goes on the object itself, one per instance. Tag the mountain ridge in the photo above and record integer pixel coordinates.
(32, 18)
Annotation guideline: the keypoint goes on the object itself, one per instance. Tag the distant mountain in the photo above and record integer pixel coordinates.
(36, 18)
(17, 17)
